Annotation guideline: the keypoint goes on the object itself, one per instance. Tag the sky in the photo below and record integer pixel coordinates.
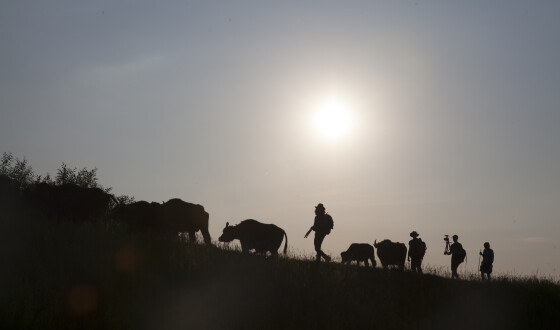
(435, 116)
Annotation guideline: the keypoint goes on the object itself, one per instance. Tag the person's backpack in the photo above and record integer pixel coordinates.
(461, 254)
(418, 248)
(328, 223)
(421, 248)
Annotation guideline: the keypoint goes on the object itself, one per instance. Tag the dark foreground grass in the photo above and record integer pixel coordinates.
(58, 275)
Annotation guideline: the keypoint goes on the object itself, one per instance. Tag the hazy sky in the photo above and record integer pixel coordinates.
(452, 113)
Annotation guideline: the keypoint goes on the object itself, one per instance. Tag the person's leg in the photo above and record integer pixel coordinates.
(318, 241)
(413, 265)
(454, 273)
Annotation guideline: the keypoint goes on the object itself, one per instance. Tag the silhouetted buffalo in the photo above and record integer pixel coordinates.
(69, 201)
(257, 236)
(172, 217)
(390, 253)
(141, 215)
(180, 216)
(10, 194)
(359, 252)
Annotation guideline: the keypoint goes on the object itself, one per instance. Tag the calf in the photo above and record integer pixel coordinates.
(257, 236)
(391, 253)
(359, 252)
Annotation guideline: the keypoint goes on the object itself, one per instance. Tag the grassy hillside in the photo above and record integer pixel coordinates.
(63, 275)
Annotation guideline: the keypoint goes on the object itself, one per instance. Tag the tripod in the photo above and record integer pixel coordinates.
(446, 251)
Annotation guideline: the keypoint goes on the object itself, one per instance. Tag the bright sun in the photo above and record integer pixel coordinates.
(332, 118)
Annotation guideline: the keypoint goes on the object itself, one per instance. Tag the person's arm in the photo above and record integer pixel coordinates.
(312, 228)
(451, 249)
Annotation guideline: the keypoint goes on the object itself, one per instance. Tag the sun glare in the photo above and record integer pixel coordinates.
(332, 119)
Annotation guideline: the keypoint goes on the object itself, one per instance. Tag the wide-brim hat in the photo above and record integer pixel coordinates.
(414, 234)
(320, 206)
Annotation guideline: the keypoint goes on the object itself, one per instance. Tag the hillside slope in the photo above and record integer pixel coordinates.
(64, 275)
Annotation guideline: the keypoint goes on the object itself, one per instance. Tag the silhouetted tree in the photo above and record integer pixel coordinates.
(84, 177)
(20, 170)
(125, 199)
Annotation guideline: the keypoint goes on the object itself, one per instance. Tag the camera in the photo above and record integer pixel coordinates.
(446, 238)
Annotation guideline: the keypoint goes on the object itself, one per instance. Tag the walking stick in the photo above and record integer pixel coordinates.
(479, 254)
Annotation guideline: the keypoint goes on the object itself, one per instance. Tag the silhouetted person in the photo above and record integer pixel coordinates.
(416, 251)
(322, 226)
(487, 261)
(457, 255)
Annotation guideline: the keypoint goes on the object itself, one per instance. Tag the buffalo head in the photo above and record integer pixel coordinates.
(228, 234)
(383, 244)
(345, 257)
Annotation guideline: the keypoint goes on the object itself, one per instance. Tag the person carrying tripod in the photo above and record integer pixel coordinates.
(457, 253)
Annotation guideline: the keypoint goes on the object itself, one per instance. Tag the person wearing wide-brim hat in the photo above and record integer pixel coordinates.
(322, 226)
(457, 255)
(416, 252)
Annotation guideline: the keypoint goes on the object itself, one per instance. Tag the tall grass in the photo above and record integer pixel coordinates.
(62, 275)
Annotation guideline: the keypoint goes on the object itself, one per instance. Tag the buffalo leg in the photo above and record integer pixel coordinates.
(206, 236)
(192, 236)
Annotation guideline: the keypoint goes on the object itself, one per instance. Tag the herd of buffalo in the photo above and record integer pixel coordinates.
(74, 203)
